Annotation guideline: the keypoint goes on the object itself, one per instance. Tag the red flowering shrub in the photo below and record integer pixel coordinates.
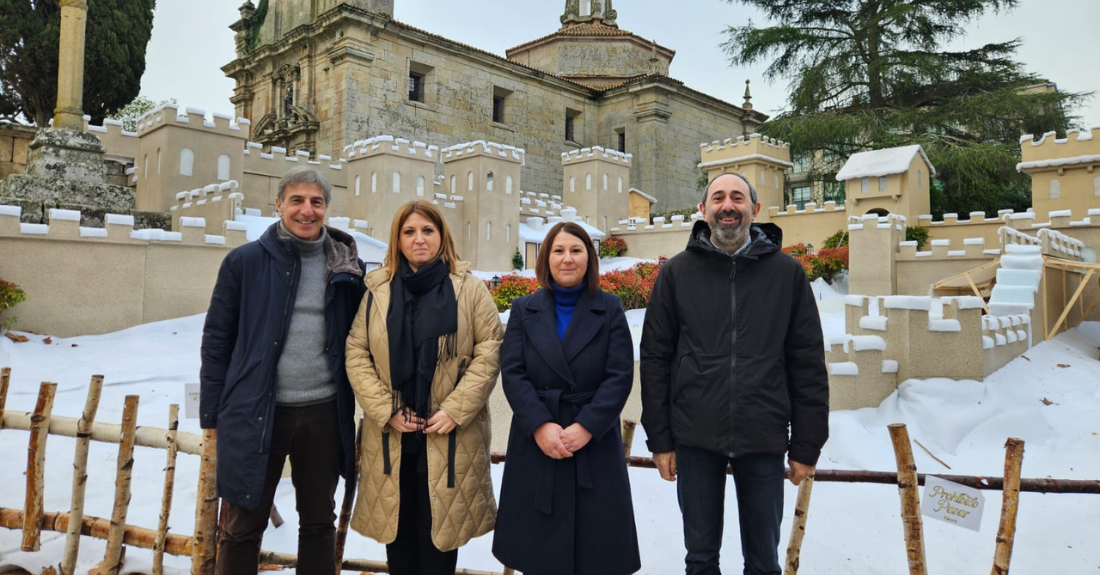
(825, 263)
(512, 286)
(612, 247)
(632, 285)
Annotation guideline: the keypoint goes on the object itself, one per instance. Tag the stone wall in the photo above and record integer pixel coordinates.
(14, 142)
(112, 278)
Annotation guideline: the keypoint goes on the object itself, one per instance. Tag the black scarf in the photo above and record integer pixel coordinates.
(422, 309)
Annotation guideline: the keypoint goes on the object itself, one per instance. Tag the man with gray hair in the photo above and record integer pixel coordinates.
(732, 355)
(273, 383)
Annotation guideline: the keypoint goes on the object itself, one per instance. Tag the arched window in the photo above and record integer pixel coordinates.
(1096, 186)
(420, 185)
(158, 160)
(918, 178)
(187, 162)
(762, 175)
(397, 182)
(588, 181)
(620, 184)
(454, 182)
(508, 233)
(777, 179)
(572, 183)
(507, 184)
(864, 185)
(374, 182)
(488, 231)
(489, 182)
(1055, 189)
(356, 185)
(470, 182)
(605, 182)
(145, 169)
(223, 167)
(469, 231)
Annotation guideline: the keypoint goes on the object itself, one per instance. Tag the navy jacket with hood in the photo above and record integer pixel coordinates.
(246, 326)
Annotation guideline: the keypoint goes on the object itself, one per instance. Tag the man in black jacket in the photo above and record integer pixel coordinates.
(732, 355)
(273, 382)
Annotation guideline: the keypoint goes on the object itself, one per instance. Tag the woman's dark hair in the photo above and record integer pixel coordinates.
(542, 263)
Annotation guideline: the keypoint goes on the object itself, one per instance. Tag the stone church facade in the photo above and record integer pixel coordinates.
(318, 75)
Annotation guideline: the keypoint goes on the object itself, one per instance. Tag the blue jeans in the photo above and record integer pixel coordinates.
(701, 489)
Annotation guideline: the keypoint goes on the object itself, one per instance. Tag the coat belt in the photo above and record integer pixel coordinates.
(553, 399)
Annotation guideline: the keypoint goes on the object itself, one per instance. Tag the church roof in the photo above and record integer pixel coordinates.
(587, 30)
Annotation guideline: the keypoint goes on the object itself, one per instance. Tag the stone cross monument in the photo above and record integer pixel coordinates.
(65, 166)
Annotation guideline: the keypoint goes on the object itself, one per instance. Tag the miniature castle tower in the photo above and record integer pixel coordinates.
(184, 152)
(872, 242)
(382, 174)
(888, 181)
(487, 230)
(759, 159)
(1063, 172)
(597, 183)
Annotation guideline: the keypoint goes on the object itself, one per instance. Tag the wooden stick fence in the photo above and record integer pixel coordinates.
(201, 546)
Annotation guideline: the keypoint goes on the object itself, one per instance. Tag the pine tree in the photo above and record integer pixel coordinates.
(517, 260)
(115, 39)
(870, 74)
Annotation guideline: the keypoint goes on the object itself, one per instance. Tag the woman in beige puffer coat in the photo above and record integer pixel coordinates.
(440, 438)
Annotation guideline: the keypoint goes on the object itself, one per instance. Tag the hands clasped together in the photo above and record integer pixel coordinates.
(559, 443)
(406, 421)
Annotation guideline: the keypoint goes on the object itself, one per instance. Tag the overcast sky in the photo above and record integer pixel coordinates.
(191, 41)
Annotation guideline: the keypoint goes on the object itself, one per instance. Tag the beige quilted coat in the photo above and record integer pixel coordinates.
(468, 509)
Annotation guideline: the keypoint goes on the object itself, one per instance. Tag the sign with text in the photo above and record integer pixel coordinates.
(952, 503)
(191, 400)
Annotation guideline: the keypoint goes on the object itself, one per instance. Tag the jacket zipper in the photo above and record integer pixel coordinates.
(733, 346)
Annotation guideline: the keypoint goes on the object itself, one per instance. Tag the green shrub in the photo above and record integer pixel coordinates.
(517, 260)
(840, 238)
(512, 286)
(919, 235)
(612, 247)
(10, 295)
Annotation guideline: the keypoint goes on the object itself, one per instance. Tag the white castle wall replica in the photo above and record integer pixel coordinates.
(917, 313)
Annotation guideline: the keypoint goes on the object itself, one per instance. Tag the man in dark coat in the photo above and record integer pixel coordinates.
(272, 380)
(732, 355)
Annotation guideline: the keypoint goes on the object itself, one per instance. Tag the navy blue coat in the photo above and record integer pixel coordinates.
(570, 516)
(247, 323)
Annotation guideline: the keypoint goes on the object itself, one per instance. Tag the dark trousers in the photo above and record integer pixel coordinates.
(701, 488)
(412, 552)
(310, 436)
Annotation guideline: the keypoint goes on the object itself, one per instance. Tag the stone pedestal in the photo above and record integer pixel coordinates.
(66, 169)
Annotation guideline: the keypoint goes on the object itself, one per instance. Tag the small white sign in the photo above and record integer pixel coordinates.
(952, 503)
(191, 400)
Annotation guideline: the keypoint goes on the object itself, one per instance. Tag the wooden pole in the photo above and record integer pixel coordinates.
(910, 499)
(5, 378)
(798, 529)
(350, 483)
(1043, 283)
(99, 528)
(1006, 532)
(628, 436)
(203, 547)
(154, 437)
(169, 483)
(1069, 304)
(112, 559)
(80, 475)
(36, 463)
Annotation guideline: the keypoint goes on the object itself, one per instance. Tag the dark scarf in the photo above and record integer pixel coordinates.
(422, 309)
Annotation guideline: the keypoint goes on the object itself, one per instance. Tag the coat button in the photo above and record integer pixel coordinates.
(276, 343)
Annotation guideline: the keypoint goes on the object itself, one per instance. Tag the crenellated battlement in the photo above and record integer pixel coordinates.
(214, 204)
(596, 152)
(532, 204)
(392, 146)
(483, 148)
(65, 225)
(676, 224)
(829, 207)
(1049, 152)
(894, 338)
(194, 119)
(754, 147)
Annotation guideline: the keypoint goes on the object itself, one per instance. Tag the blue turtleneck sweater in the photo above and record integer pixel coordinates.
(565, 301)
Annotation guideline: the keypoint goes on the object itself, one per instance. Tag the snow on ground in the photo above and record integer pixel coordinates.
(852, 528)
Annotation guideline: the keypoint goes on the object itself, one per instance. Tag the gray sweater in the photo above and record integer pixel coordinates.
(304, 377)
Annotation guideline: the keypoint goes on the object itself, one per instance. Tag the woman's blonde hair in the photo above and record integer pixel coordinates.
(447, 249)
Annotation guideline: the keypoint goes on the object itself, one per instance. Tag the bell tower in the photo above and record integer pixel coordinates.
(587, 12)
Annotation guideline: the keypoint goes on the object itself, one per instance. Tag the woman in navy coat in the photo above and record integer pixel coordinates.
(567, 365)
